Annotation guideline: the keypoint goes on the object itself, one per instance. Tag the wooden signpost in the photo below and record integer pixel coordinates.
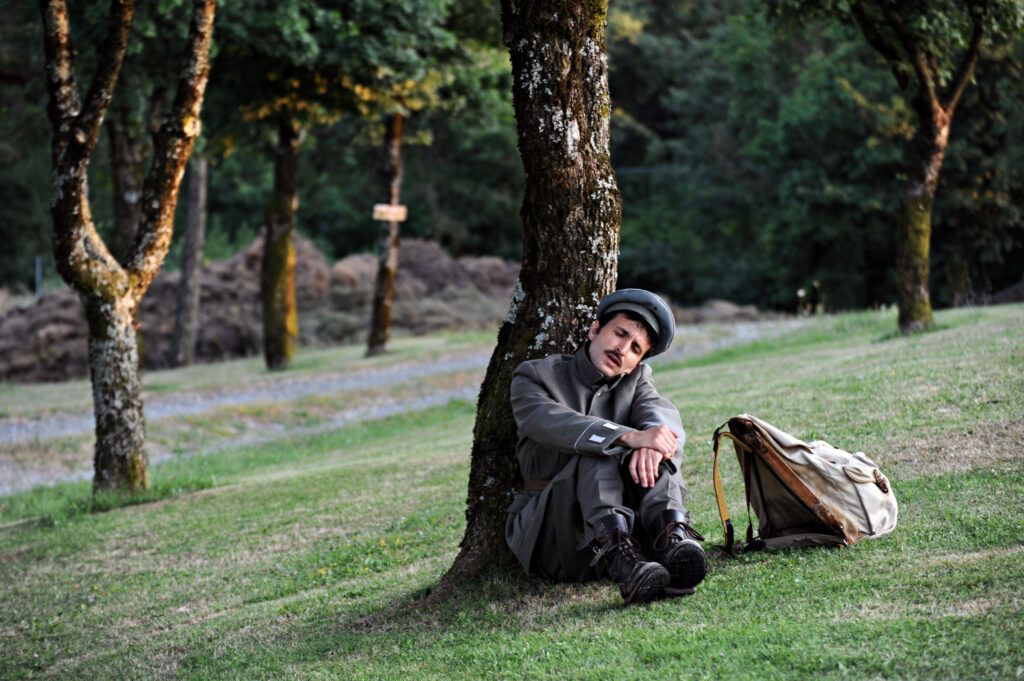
(390, 212)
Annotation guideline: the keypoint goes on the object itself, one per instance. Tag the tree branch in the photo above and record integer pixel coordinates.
(870, 31)
(80, 254)
(926, 78)
(101, 89)
(171, 150)
(60, 73)
(965, 69)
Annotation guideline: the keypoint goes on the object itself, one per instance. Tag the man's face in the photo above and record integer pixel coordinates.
(618, 346)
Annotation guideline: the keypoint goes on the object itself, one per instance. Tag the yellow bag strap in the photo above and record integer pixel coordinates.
(723, 508)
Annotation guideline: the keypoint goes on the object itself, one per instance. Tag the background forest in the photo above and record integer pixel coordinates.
(753, 156)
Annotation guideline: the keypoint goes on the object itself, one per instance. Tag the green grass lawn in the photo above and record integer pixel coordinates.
(308, 557)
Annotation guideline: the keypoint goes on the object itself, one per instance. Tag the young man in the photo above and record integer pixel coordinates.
(600, 451)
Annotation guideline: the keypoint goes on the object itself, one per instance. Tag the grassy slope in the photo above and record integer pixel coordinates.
(306, 557)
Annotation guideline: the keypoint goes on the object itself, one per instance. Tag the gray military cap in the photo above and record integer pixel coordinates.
(651, 308)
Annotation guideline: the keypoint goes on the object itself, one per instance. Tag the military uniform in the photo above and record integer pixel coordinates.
(569, 419)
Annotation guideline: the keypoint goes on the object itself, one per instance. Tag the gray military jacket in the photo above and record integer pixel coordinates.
(564, 409)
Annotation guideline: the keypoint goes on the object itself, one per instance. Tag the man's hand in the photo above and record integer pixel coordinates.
(659, 438)
(643, 466)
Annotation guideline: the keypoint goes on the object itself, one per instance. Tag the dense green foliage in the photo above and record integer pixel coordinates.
(778, 153)
(308, 556)
(752, 157)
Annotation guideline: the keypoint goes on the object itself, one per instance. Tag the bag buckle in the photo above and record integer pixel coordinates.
(881, 482)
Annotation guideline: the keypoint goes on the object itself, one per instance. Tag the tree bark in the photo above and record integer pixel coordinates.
(387, 270)
(571, 214)
(186, 323)
(277, 273)
(120, 459)
(915, 222)
(110, 290)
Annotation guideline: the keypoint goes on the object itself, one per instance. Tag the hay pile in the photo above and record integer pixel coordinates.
(46, 340)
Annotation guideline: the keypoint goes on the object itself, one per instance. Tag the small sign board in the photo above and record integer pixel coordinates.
(390, 212)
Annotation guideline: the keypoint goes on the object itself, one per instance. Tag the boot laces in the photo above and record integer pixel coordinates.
(622, 548)
(675, 533)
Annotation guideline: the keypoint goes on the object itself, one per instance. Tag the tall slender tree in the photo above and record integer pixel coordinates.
(387, 269)
(931, 48)
(111, 292)
(571, 214)
(277, 267)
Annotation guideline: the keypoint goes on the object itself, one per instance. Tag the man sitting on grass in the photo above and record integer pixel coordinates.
(600, 451)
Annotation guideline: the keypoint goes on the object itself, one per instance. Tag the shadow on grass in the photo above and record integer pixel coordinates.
(499, 599)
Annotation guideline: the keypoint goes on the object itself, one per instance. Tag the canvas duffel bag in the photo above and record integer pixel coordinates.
(803, 493)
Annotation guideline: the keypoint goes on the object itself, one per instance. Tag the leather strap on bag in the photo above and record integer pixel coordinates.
(799, 489)
(723, 508)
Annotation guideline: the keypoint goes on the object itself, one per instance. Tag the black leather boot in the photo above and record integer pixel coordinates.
(639, 579)
(678, 550)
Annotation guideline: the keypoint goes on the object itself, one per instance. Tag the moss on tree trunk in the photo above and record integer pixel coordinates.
(277, 273)
(915, 221)
(277, 288)
(914, 301)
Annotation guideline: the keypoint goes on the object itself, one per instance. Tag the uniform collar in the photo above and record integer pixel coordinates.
(588, 374)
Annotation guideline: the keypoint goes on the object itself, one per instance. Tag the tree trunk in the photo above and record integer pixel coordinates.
(933, 98)
(571, 214)
(915, 222)
(110, 290)
(277, 274)
(186, 323)
(120, 460)
(387, 270)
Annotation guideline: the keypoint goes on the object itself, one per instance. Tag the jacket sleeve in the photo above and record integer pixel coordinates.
(546, 421)
(649, 409)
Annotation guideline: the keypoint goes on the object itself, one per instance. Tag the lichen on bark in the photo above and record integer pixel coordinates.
(277, 270)
(110, 291)
(571, 214)
(277, 288)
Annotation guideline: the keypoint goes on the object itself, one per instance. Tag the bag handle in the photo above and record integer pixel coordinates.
(723, 508)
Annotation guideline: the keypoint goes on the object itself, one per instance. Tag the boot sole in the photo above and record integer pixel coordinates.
(688, 565)
(650, 585)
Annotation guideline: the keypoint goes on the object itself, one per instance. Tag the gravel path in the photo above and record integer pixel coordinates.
(285, 389)
(15, 476)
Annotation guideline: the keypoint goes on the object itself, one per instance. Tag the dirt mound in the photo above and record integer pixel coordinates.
(433, 291)
(47, 340)
(44, 341)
